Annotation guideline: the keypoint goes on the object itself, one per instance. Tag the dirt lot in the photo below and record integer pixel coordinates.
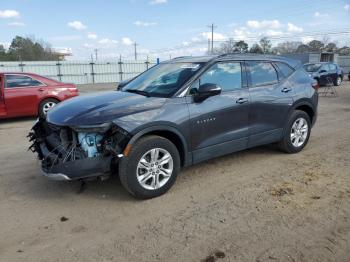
(257, 205)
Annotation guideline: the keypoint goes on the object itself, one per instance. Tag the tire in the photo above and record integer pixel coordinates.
(46, 105)
(290, 145)
(132, 172)
(338, 81)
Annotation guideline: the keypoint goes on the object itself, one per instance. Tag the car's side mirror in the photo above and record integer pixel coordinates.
(323, 71)
(206, 90)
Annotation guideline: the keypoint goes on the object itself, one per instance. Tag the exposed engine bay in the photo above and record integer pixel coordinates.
(69, 153)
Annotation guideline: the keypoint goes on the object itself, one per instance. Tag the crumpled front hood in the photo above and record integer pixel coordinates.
(101, 107)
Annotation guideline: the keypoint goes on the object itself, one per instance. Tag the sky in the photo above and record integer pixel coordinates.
(164, 28)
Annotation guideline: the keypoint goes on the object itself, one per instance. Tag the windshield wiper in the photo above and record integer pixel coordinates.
(139, 92)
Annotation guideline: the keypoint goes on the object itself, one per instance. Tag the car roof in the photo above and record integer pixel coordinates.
(229, 57)
(320, 63)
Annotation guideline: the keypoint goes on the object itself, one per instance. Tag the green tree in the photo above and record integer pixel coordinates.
(241, 47)
(331, 47)
(316, 46)
(3, 55)
(303, 49)
(27, 49)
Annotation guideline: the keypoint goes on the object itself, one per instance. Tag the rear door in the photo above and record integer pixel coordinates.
(22, 94)
(219, 124)
(271, 98)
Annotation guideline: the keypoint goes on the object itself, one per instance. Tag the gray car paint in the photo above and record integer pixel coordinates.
(213, 127)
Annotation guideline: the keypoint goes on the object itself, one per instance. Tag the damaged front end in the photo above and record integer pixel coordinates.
(70, 153)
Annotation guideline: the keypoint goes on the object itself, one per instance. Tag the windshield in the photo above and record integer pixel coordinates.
(163, 80)
(312, 67)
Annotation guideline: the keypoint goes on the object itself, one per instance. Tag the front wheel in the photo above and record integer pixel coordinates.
(297, 133)
(338, 81)
(151, 167)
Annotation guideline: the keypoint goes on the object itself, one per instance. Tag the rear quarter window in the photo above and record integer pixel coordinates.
(262, 73)
(285, 69)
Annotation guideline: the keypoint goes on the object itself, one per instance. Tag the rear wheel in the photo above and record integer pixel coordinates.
(151, 167)
(47, 105)
(296, 133)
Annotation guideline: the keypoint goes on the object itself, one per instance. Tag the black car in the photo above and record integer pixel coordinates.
(176, 114)
(325, 73)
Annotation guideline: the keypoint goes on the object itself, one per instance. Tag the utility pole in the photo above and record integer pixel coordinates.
(208, 46)
(212, 26)
(96, 50)
(135, 44)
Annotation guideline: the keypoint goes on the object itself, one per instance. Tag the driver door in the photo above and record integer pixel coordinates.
(219, 124)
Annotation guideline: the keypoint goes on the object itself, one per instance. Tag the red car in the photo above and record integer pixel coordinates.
(25, 94)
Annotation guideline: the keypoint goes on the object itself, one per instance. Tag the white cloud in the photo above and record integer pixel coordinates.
(127, 41)
(87, 45)
(306, 39)
(320, 15)
(347, 7)
(217, 36)
(19, 24)
(107, 41)
(158, 2)
(144, 24)
(77, 25)
(273, 33)
(92, 36)
(271, 24)
(294, 29)
(9, 14)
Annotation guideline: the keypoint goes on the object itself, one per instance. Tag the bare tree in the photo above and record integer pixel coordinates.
(265, 45)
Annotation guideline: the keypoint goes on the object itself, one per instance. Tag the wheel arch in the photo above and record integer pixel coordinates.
(307, 108)
(168, 132)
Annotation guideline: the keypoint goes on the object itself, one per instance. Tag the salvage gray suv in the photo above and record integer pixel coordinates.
(178, 113)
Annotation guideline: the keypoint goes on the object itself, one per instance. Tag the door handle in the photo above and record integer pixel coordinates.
(41, 89)
(286, 90)
(241, 100)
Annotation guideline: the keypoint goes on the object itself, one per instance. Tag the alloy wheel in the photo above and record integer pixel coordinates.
(47, 106)
(338, 80)
(155, 168)
(299, 132)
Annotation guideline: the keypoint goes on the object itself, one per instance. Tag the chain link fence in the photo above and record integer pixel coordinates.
(80, 72)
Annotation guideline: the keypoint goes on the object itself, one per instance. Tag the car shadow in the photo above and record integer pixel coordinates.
(112, 190)
(17, 119)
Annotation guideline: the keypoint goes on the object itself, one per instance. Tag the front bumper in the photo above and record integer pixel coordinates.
(62, 156)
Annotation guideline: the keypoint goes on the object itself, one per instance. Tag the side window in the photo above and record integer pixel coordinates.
(226, 75)
(332, 67)
(285, 69)
(21, 81)
(262, 73)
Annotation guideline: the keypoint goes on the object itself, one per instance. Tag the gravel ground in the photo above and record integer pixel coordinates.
(256, 205)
